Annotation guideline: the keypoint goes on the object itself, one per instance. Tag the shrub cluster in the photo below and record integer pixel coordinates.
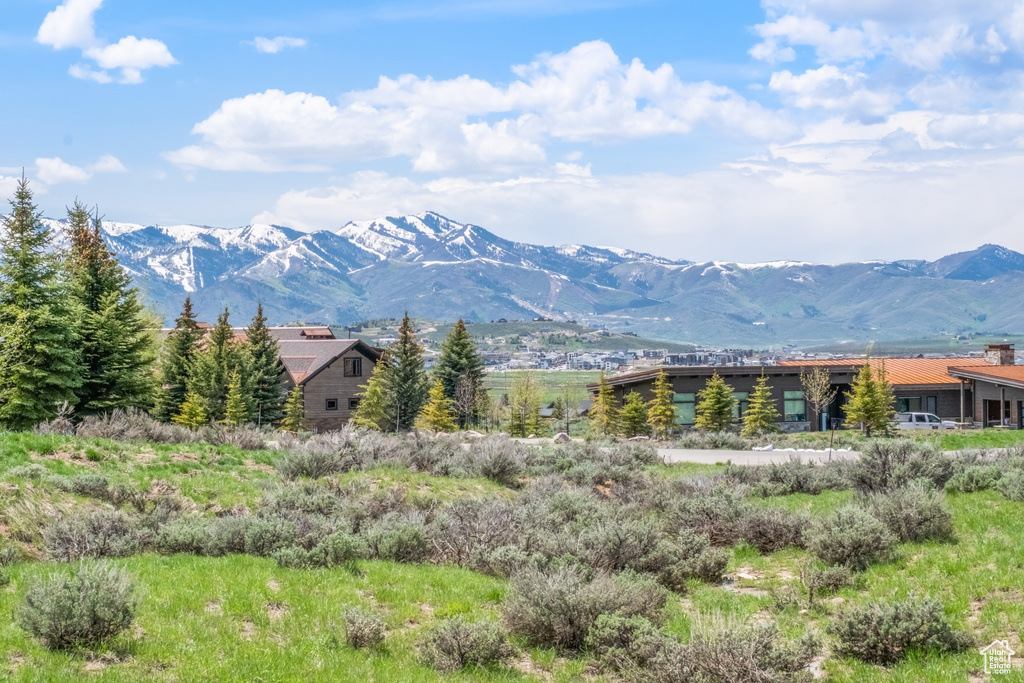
(893, 463)
(850, 537)
(363, 628)
(133, 424)
(457, 643)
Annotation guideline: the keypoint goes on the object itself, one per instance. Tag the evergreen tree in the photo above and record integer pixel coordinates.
(118, 347)
(761, 414)
(41, 353)
(407, 382)
(236, 412)
(437, 415)
(460, 367)
(211, 368)
(870, 402)
(193, 413)
(294, 412)
(265, 371)
(714, 406)
(604, 413)
(661, 411)
(524, 397)
(633, 417)
(180, 348)
(374, 410)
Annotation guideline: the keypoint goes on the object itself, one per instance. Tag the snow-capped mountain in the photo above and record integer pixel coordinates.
(436, 267)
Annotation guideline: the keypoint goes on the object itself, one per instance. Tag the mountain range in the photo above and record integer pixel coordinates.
(440, 269)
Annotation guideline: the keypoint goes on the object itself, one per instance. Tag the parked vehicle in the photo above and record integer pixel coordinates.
(922, 421)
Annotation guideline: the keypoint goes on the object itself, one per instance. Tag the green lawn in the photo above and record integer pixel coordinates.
(552, 381)
(240, 618)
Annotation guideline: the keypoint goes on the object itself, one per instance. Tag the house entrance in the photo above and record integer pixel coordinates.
(993, 413)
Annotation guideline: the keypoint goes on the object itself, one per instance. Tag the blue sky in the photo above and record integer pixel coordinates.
(824, 130)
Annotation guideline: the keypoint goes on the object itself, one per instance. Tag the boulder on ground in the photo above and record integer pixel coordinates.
(472, 434)
(640, 438)
(562, 437)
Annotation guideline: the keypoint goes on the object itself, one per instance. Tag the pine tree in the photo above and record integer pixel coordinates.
(236, 411)
(41, 353)
(714, 407)
(193, 413)
(374, 410)
(460, 367)
(407, 383)
(265, 371)
(885, 402)
(294, 412)
(437, 415)
(661, 411)
(118, 347)
(524, 397)
(211, 368)
(179, 350)
(604, 413)
(761, 415)
(870, 402)
(633, 417)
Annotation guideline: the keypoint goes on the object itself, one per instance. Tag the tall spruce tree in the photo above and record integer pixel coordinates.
(179, 350)
(41, 360)
(762, 415)
(714, 406)
(236, 412)
(265, 371)
(633, 416)
(294, 419)
(661, 411)
(604, 411)
(438, 414)
(211, 368)
(406, 384)
(870, 402)
(460, 367)
(118, 346)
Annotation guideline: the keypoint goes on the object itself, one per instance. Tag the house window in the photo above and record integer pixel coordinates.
(332, 404)
(931, 404)
(739, 405)
(686, 408)
(908, 404)
(794, 406)
(353, 403)
(353, 367)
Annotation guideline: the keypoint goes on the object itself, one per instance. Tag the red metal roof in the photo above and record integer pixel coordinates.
(904, 371)
(1011, 374)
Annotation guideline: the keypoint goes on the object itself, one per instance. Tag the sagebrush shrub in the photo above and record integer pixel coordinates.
(99, 533)
(557, 608)
(33, 471)
(884, 633)
(363, 628)
(913, 513)
(823, 580)
(688, 555)
(501, 460)
(717, 514)
(975, 478)
(266, 535)
(78, 607)
(625, 644)
(226, 535)
(398, 540)
(340, 549)
(1011, 485)
(850, 536)
(456, 643)
(748, 654)
(309, 463)
(893, 463)
(189, 534)
(772, 529)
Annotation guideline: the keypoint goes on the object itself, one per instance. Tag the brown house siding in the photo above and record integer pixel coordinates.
(330, 383)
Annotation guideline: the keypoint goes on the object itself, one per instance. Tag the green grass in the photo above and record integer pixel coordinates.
(552, 381)
(982, 438)
(241, 618)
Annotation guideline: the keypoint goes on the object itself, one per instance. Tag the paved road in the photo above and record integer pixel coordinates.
(674, 455)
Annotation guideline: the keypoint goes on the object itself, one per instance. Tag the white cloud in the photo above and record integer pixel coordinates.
(272, 46)
(53, 171)
(831, 89)
(795, 212)
(585, 94)
(71, 25)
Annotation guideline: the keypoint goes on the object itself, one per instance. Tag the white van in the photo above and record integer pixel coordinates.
(922, 421)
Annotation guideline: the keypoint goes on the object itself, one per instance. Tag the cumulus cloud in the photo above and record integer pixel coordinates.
(272, 46)
(586, 94)
(71, 25)
(832, 89)
(53, 171)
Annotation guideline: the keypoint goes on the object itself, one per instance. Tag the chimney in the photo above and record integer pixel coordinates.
(999, 354)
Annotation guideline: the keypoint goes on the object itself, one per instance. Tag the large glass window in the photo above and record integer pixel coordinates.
(353, 367)
(931, 404)
(686, 408)
(794, 406)
(739, 405)
(908, 404)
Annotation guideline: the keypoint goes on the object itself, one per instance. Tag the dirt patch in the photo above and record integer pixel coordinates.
(15, 660)
(526, 665)
(67, 455)
(146, 455)
(814, 666)
(748, 573)
(99, 663)
(214, 608)
(184, 457)
(253, 465)
(427, 610)
(786, 575)
(276, 610)
(273, 585)
(248, 630)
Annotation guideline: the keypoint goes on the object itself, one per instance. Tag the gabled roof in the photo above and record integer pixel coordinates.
(303, 359)
(902, 371)
(1007, 375)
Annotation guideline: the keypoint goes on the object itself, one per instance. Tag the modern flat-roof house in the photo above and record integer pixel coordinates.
(920, 384)
(332, 373)
(997, 388)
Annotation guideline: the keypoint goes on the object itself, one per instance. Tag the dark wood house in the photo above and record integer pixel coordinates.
(332, 373)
